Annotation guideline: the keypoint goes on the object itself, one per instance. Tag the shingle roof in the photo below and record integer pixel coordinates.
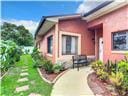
(98, 8)
(89, 13)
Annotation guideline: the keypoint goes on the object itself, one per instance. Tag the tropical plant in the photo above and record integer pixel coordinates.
(96, 65)
(100, 70)
(48, 66)
(123, 67)
(117, 81)
(9, 54)
(37, 58)
(57, 68)
(102, 74)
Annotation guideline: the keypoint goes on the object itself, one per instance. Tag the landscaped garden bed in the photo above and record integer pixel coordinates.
(52, 76)
(48, 70)
(109, 79)
(98, 86)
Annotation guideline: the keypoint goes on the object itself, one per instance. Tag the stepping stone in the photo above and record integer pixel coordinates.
(22, 79)
(22, 88)
(25, 67)
(24, 70)
(34, 94)
(24, 74)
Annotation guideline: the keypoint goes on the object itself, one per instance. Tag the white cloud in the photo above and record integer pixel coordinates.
(28, 24)
(88, 5)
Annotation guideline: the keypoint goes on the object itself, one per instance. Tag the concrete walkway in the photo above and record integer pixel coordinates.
(73, 83)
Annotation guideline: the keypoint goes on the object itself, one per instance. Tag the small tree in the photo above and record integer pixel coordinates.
(18, 34)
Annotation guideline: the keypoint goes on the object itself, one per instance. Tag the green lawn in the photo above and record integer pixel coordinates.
(36, 84)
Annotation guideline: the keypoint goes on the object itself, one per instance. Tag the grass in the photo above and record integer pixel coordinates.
(36, 84)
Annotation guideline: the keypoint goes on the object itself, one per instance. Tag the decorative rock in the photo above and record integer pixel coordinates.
(24, 74)
(22, 80)
(22, 88)
(34, 94)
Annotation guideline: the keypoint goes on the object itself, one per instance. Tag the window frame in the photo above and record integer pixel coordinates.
(48, 46)
(112, 40)
(71, 48)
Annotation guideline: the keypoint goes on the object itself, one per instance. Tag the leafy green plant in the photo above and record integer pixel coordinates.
(37, 58)
(100, 70)
(117, 81)
(57, 68)
(123, 67)
(48, 66)
(96, 65)
(103, 75)
(9, 54)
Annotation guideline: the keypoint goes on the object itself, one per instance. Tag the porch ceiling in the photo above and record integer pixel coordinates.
(46, 26)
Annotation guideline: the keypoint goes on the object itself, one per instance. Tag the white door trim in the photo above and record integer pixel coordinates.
(101, 48)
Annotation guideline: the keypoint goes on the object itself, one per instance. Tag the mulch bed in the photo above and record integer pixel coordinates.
(99, 87)
(50, 76)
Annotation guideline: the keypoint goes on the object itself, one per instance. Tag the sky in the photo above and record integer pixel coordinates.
(29, 13)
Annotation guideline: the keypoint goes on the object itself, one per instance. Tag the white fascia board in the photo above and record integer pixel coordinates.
(105, 10)
(53, 19)
(56, 19)
(46, 26)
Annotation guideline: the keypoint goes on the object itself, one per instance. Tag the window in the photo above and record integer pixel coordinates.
(50, 44)
(120, 40)
(69, 45)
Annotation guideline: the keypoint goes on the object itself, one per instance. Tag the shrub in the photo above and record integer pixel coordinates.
(48, 66)
(37, 58)
(96, 65)
(117, 81)
(123, 67)
(100, 70)
(38, 63)
(9, 54)
(103, 75)
(57, 68)
(111, 67)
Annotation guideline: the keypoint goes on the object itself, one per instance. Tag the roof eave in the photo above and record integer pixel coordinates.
(104, 10)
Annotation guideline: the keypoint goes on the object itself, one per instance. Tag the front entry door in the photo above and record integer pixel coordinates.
(101, 48)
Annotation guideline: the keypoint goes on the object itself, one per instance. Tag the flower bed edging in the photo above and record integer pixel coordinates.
(4, 74)
(43, 77)
(48, 81)
(54, 81)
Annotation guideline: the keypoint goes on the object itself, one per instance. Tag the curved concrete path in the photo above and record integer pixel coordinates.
(73, 83)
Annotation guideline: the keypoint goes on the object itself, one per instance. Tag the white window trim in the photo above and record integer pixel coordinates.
(70, 34)
(120, 52)
(48, 54)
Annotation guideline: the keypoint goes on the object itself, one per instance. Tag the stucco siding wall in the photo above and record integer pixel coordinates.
(112, 22)
(43, 45)
(79, 26)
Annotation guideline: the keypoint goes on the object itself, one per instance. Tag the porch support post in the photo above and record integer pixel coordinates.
(96, 45)
(56, 42)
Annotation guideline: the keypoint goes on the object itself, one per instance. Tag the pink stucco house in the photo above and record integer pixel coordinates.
(101, 34)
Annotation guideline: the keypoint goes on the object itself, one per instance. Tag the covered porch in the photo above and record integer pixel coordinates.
(98, 40)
